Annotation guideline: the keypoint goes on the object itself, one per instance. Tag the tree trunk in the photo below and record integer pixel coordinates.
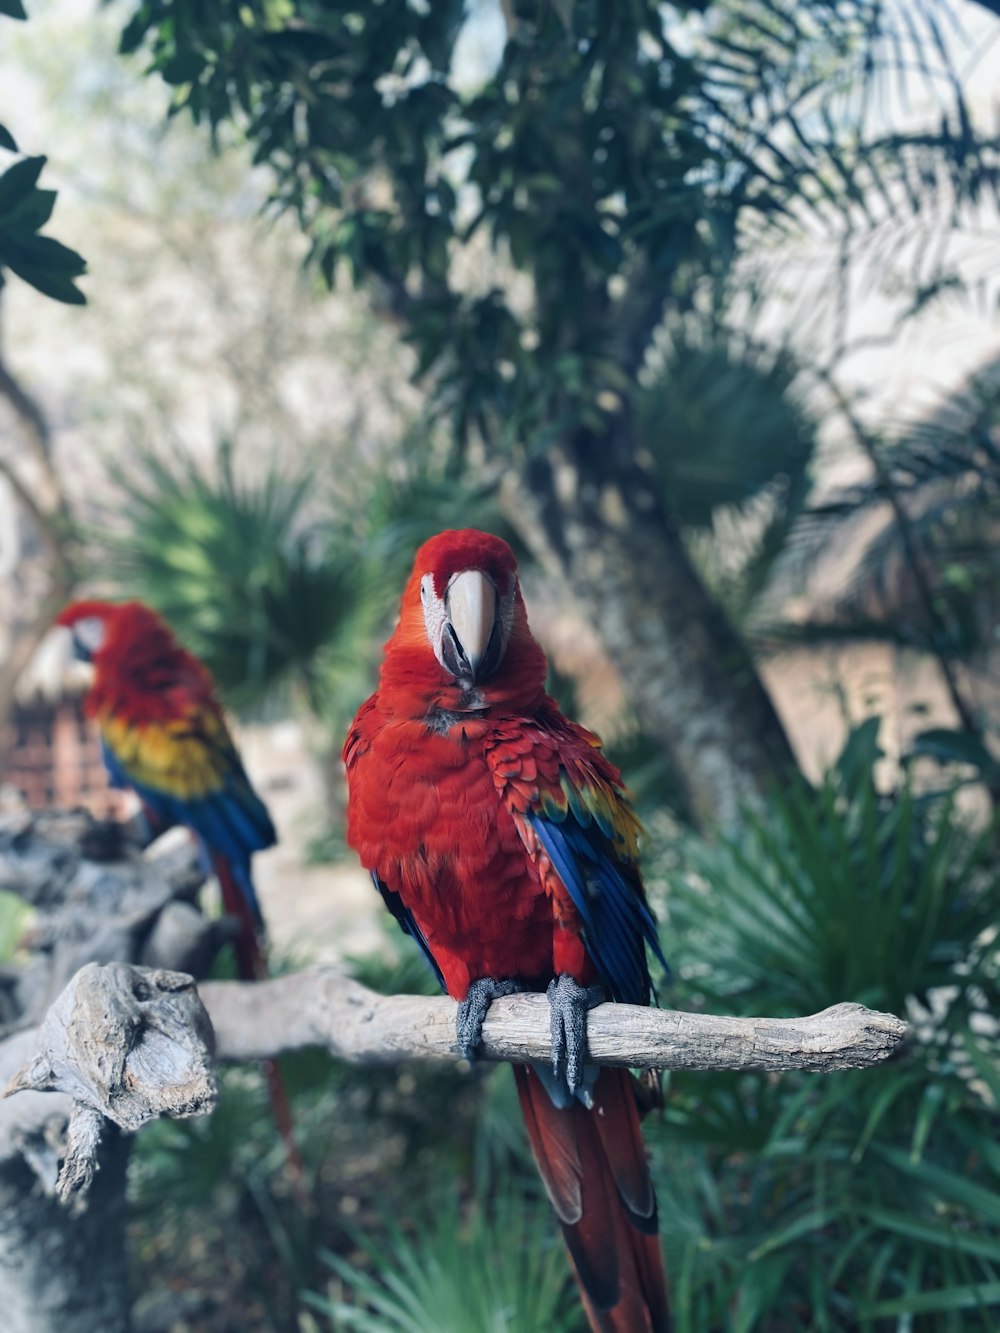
(62, 1165)
(688, 674)
(62, 1270)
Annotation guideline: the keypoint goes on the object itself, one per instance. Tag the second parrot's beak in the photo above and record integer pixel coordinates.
(470, 638)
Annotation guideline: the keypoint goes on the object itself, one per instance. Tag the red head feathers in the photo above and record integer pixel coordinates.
(462, 642)
(138, 663)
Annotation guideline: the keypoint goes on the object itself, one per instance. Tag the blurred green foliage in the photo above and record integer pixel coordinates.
(492, 1267)
(13, 912)
(733, 444)
(248, 577)
(860, 1200)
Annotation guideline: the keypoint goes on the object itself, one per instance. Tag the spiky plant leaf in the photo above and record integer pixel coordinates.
(242, 570)
(496, 1267)
(829, 1202)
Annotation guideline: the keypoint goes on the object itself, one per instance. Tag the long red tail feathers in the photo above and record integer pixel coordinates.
(251, 965)
(594, 1167)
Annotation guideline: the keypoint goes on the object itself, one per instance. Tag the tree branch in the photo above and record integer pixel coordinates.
(32, 417)
(126, 1043)
(321, 1007)
(133, 1043)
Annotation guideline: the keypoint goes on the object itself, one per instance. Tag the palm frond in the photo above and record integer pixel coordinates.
(495, 1267)
(240, 569)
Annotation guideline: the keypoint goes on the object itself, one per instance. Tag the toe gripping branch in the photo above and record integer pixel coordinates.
(473, 1009)
(569, 1002)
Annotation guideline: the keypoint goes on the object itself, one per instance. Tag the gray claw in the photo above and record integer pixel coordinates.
(473, 1009)
(569, 1002)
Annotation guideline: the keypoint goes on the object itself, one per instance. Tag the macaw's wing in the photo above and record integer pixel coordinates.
(357, 744)
(407, 924)
(571, 811)
(187, 771)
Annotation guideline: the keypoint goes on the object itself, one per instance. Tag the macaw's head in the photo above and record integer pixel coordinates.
(462, 640)
(101, 627)
(137, 660)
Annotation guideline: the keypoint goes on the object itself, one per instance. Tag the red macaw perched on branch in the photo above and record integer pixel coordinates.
(500, 838)
(164, 735)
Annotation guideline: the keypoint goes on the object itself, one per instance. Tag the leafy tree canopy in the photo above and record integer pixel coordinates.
(618, 157)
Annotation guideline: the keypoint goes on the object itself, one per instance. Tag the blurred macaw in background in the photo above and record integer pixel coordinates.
(500, 837)
(164, 735)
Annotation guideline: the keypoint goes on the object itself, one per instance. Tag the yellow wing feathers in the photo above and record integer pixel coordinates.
(186, 758)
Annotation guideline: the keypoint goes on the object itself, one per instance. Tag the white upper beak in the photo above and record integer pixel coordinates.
(472, 609)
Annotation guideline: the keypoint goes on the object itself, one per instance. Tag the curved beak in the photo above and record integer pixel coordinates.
(80, 651)
(471, 604)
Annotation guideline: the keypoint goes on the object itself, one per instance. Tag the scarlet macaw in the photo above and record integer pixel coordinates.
(164, 735)
(500, 837)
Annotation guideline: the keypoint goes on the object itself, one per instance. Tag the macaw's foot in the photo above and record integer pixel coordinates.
(473, 1009)
(569, 1002)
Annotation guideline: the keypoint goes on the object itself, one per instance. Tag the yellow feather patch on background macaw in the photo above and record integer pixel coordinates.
(187, 758)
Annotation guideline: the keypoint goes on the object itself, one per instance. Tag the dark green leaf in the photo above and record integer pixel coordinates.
(41, 252)
(55, 285)
(17, 182)
(948, 746)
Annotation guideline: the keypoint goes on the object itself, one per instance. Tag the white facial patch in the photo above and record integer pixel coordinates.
(435, 615)
(90, 633)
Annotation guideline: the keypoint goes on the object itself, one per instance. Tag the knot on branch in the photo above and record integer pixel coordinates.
(124, 1042)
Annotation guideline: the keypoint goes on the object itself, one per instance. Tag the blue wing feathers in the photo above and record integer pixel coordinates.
(406, 922)
(617, 923)
(231, 822)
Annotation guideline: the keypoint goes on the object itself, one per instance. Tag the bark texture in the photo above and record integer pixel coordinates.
(322, 1007)
(113, 1046)
(127, 1044)
(62, 1270)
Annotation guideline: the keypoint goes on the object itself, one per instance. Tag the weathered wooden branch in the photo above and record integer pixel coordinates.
(321, 1007)
(92, 1036)
(126, 1043)
(133, 1043)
